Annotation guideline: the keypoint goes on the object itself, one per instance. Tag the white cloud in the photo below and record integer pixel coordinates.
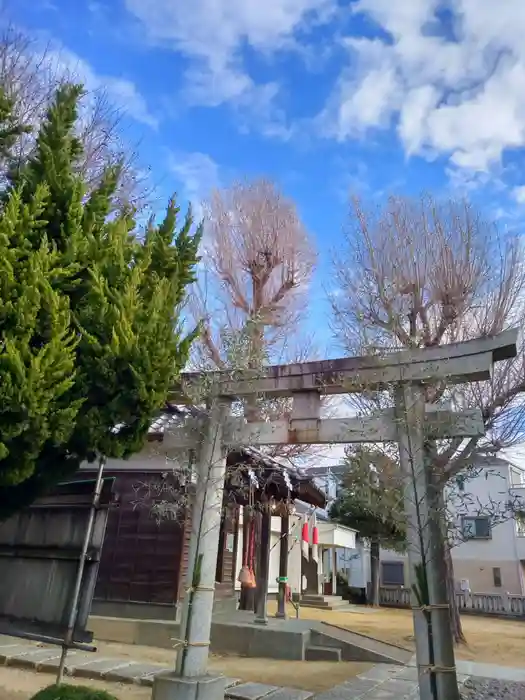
(518, 194)
(212, 34)
(123, 93)
(197, 174)
(457, 90)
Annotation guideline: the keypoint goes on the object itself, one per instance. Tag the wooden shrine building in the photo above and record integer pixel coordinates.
(145, 554)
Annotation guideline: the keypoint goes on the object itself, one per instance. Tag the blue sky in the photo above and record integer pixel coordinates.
(327, 97)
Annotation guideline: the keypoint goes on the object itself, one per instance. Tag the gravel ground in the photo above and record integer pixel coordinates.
(488, 689)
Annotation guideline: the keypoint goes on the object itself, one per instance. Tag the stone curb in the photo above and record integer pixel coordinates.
(79, 665)
(90, 667)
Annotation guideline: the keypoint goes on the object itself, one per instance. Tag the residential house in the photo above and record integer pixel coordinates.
(489, 554)
(489, 549)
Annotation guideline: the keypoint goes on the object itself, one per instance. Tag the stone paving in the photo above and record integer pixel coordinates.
(382, 682)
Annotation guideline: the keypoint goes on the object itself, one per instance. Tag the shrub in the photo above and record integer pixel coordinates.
(72, 692)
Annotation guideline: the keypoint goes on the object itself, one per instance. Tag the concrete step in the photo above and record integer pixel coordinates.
(326, 606)
(324, 602)
(358, 647)
(318, 597)
(319, 653)
(231, 633)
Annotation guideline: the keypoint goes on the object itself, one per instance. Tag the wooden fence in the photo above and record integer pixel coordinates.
(40, 549)
(500, 604)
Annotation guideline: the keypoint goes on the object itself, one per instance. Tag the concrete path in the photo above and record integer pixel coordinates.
(382, 682)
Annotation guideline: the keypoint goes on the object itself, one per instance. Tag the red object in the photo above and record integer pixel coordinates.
(315, 543)
(315, 536)
(304, 537)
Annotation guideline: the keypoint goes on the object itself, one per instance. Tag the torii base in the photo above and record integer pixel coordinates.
(169, 686)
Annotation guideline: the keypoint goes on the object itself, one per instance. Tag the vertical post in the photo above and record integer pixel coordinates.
(261, 616)
(243, 599)
(410, 414)
(333, 552)
(320, 572)
(446, 680)
(73, 611)
(283, 564)
(192, 660)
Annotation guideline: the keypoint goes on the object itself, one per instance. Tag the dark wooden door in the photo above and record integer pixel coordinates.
(141, 557)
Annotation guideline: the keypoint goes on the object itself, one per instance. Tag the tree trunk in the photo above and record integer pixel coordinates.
(441, 629)
(374, 572)
(439, 495)
(455, 619)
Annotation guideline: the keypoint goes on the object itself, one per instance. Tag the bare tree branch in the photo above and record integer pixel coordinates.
(257, 262)
(30, 74)
(422, 273)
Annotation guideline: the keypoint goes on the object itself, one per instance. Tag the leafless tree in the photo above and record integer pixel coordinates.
(258, 260)
(30, 74)
(422, 273)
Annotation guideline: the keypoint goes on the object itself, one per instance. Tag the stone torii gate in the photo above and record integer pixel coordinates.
(411, 423)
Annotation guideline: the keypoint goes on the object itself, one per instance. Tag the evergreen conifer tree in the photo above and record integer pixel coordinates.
(110, 312)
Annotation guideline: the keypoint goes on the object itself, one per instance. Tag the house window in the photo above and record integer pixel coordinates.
(520, 525)
(496, 575)
(517, 477)
(392, 573)
(476, 528)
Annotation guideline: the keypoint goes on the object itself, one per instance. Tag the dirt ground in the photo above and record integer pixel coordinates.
(314, 676)
(493, 641)
(17, 684)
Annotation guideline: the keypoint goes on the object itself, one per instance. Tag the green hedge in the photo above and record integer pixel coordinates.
(72, 692)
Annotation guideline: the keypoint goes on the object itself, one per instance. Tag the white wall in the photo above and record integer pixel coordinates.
(150, 458)
(474, 558)
(329, 485)
(493, 483)
(356, 564)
